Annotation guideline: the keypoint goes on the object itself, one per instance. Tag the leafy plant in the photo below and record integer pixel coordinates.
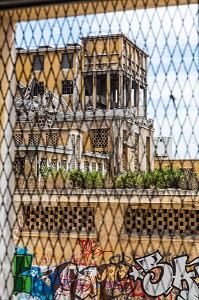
(47, 171)
(76, 177)
(158, 178)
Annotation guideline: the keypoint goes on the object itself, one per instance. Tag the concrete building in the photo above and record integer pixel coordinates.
(83, 107)
(23, 12)
(163, 147)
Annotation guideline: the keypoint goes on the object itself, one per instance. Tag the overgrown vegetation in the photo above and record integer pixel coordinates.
(74, 178)
(159, 178)
(162, 178)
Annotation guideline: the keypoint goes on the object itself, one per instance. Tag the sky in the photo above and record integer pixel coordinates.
(169, 36)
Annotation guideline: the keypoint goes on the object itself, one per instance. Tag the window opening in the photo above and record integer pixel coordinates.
(67, 61)
(38, 63)
(67, 87)
(39, 88)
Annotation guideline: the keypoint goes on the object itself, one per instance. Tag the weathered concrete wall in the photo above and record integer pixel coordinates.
(107, 261)
(110, 211)
(178, 164)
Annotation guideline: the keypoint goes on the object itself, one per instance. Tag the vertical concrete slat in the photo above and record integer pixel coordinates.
(82, 87)
(121, 91)
(108, 90)
(82, 92)
(129, 87)
(137, 100)
(7, 182)
(94, 90)
(145, 102)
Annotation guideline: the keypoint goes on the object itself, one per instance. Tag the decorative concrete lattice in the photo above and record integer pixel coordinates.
(77, 149)
(19, 165)
(43, 162)
(124, 156)
(18, 139)
(93, 166)
(52, 139)
(162, 221)
(148, 154)
(86, 166)
(73, 151)
(136, 153)
(40, 121)
(63, 164)
(59, 218)
(100, 167)
(99, 138)
(34, 139)
(106, 164)
(54, 163)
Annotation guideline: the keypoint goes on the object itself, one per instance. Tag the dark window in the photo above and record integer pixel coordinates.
(38, 63)
(67, 61)
(39, 88)
(67, 87)
(19, 165)
(43, 163)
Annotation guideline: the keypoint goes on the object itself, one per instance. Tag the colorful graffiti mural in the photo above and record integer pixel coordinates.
(149, 278)
(90, 248)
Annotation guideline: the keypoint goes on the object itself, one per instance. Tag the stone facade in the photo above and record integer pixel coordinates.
(88, 111)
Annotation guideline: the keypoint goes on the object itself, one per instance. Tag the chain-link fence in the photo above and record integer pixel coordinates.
(99, 150)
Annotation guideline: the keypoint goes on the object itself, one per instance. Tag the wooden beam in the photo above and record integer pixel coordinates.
(26, 10)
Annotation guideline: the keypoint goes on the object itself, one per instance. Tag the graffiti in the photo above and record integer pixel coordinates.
(90, 248)
(148, 278)
(45, 260)
(169, 276)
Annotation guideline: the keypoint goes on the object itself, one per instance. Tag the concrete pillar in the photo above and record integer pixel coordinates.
(145, 102)
(129, 85)
(121, 92)
(82, 92)
(124, 92)
(7, 182)
(76, 93)
(137, 93)
(82, 83)
(94, 90)
(118, 146)
(108, 90)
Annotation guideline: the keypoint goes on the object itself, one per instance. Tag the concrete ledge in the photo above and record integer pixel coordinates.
(167, 198)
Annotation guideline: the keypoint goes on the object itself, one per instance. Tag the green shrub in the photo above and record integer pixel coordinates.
(93, 180)
(62, 172)
(48, 172)
(76, 177)
(98, 180)
(158, 178)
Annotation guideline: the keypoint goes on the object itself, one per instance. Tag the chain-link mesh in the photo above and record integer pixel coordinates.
(99, 128)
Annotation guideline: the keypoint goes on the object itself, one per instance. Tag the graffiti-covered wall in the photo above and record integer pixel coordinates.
(123, 256)
(122, 278)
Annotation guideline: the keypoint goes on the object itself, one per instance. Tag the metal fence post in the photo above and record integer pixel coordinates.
(7, 183)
